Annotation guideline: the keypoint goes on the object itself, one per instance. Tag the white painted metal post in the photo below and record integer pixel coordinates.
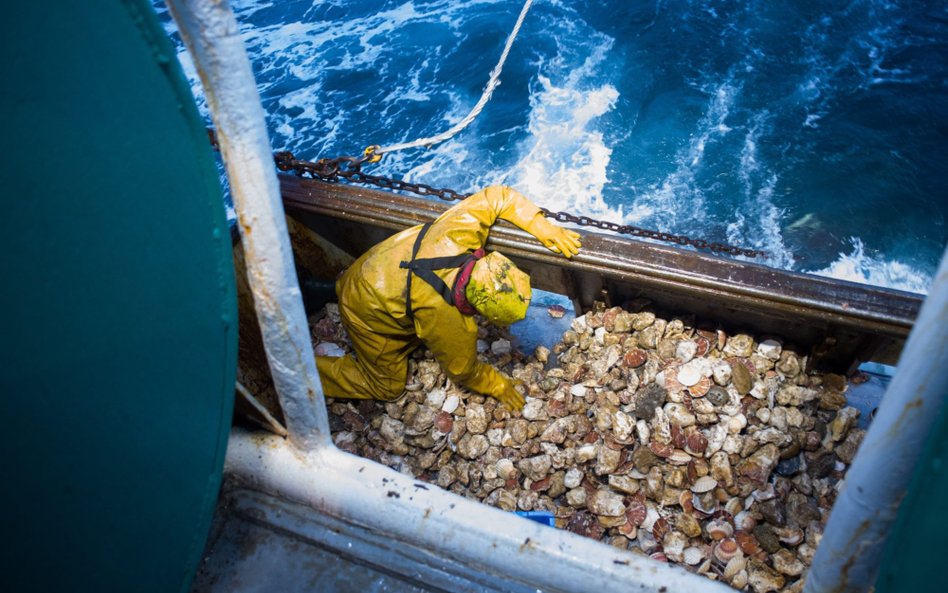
(210, 32)
(446, 525)
(848, 556)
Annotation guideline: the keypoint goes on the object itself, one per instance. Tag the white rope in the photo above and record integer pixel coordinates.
(492, 84)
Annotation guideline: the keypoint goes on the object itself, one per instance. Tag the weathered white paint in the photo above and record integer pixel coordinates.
(847, 559)
(210, 32)
(449, 526)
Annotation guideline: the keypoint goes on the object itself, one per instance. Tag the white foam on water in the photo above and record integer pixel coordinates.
(564, 157)
(678, 201)
(859, 266)
(758, 224)
(565, 164)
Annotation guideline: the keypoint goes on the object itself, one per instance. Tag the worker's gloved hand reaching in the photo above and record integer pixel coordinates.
(554, 237)
(510, 397)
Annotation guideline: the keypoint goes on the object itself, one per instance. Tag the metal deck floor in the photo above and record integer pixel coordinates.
(260, 543)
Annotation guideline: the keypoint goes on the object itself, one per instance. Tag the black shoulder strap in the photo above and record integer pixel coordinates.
(414, 252)
(425, 268)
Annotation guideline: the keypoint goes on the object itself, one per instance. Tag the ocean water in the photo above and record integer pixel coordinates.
(817, 131)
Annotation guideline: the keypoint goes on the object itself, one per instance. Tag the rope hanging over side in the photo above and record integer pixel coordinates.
(492, 83)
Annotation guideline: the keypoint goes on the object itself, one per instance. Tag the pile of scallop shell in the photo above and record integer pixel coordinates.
(717, 452)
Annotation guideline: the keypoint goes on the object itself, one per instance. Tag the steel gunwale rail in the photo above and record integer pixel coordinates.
(733, 282)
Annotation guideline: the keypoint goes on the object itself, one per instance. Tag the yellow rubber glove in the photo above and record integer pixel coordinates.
(554, 237)
(510, 397)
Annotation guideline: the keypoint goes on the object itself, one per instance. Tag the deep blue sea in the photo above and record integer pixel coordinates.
(815, 130)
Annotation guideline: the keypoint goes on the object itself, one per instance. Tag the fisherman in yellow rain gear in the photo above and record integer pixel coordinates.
(423, 286)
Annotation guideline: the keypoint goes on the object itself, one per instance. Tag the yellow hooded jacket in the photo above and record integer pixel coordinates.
(372, 303)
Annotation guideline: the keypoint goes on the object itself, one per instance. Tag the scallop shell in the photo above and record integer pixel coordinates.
(693, 555)
(688, 375)
(679, 457)
(660, 529)
(684, 499)
(704, 484)
(734, 566)
(704, 345)
(661, 449)
(745, 521)
(444, 422)
(726, 549)
(636, 512)
(670, 379)
(659, 556)
(629, 529)
(718, 529)
(696, 443)
(747, 542)
(700, 388)
(635, 358)
(704, 504)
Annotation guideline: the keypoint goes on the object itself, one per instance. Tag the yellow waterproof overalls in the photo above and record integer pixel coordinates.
(373, 304)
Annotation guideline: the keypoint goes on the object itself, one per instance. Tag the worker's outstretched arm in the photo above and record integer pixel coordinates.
(477, 213)
(554, 237)
(453, 341)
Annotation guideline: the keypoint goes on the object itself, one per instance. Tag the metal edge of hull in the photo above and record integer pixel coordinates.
(811, 309)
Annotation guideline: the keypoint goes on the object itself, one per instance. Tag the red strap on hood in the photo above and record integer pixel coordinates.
(460, 283)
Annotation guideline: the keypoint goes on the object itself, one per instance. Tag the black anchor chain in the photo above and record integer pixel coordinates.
(350, 169)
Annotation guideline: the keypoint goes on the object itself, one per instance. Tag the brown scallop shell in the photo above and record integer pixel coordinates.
(684, 499)
(658, 556)
(585, 523)
(635, 358)
(696, 442)
(747, 542)
(700, 388)
(636, 512)
(671, 379)
(688, 402)
(678, 436)
(661, 449)
(445, 422)
(542, 485)
(723, 515)
(629, 529)
(692, 469)
(660, 529)
(726, 549)
(718, 529)
(704, 345)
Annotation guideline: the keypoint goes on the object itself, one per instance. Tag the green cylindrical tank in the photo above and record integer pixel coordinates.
(118, 304)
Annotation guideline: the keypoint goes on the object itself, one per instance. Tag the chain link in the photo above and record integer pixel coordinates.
(350, 169)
